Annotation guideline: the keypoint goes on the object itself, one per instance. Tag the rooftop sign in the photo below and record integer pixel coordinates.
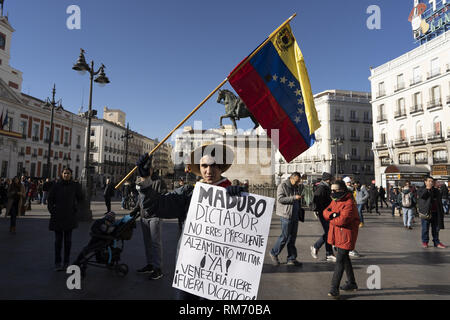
(429, 18)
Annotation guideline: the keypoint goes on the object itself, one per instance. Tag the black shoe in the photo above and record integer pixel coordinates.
(156, 274)
(294, 263)
(334, 294)
(146, 270)
(349, 287)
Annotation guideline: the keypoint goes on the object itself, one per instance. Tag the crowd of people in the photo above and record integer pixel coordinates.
(338, 205)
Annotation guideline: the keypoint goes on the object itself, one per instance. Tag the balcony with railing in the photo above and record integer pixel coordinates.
(399, 113)
(354, 119)
(417, 140)
(56, 143)
(416, 108)
(66, 144)
(415, 81)
(355, 158)
(399, 86)
(448, 99)
(401, 142)
(381, 145)
(368, 139)
(35, 139)
(435, 137)
(367, 121)
(434, 73)
(21, 154)
(381, 93)
(338, 118)
(381, 118)
(434, 104)
(355, 139)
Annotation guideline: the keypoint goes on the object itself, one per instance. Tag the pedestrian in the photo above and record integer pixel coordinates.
(40, 186)
(431, 212)
(63, 200)
(393, 199)
(343, 217)
(16, 194)
(407, 202)
(373, 198)
(205, 164)
(108, 193)
(125, 196)
(444, 194)
(321, 200)
(382, 194)
(148, 181)
(288, 207)
(361, 197)
(45, 189)
(351, 190)
(4, 185)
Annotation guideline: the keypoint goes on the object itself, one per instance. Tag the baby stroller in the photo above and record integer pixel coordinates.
(103, 250)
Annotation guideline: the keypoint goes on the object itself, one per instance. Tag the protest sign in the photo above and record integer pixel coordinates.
(223, 244)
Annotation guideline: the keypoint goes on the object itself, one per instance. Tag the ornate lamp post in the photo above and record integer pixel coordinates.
(337, 142)
(82, 67)
(126, 136)
(51, 105)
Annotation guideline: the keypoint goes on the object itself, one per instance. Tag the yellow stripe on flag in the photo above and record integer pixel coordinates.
(294, 61)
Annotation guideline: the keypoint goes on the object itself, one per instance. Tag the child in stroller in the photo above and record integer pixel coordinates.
(106, 244)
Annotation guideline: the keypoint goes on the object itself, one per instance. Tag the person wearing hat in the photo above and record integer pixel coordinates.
(151, 224)
(207, 162)
(321, 200)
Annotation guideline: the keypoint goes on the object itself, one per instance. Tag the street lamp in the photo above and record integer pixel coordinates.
(337, 142)
(52, 105)
(126, 136)
(82, 67)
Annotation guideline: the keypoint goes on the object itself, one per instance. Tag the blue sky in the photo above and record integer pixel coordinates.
(164, 57)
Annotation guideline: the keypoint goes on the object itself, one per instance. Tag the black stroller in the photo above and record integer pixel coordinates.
(104, 251)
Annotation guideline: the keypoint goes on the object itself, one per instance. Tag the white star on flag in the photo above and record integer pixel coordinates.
(300, 110)
(298, 92)
(300, 101)
(291, 84)
(275, 77)
(297, 119)
(283, 80)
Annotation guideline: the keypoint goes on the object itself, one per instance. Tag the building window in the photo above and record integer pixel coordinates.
(404, 158)
(106, 132)
(440, 156)
(92, 132)
(23, 127)
(434, 68)
(421, 157)
(385, 161)
(381, 90)
(416, 76)
(400, 82)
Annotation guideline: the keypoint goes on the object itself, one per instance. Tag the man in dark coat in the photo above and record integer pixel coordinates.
(63, 200)
(445, 198)
(108, 194)
(373, 198)
(322, 198)
(430, 201)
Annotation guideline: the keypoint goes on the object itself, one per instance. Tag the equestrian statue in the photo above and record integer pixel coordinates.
(235, 108)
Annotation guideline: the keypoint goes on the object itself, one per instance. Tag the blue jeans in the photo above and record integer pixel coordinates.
(151, 230)
(360, 208)
(323, 240)
(288, 236)
(445, 205)
(408, 215)
(434, 229)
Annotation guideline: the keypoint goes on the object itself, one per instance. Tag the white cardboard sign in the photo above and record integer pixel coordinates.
(223, 244)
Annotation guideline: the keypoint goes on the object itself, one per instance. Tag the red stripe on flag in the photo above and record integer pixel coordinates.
(258, 98)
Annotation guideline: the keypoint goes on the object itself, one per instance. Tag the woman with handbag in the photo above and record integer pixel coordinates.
(344, 225)
(430, 209)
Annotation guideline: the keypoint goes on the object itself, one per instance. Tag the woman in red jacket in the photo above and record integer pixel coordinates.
(344, 224)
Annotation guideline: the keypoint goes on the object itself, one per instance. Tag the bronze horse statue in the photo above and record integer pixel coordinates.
(235, 108)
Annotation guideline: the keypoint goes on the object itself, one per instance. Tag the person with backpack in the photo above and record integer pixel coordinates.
(407, 202)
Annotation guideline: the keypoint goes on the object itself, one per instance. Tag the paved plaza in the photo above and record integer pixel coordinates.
(407, 270)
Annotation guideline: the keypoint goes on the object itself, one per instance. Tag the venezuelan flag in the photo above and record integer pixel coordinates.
(274, 84)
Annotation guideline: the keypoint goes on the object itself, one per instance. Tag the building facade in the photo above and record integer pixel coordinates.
(25, 126)
(411, 104)
(343, 144)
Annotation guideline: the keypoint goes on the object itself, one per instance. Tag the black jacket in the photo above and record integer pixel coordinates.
(424, 202)
(444, 192)
(109, 191)
(63, 200)
(322, 197)
(147, 189)
(373, 193)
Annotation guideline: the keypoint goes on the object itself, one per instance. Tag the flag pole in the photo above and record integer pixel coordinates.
(210, 95)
